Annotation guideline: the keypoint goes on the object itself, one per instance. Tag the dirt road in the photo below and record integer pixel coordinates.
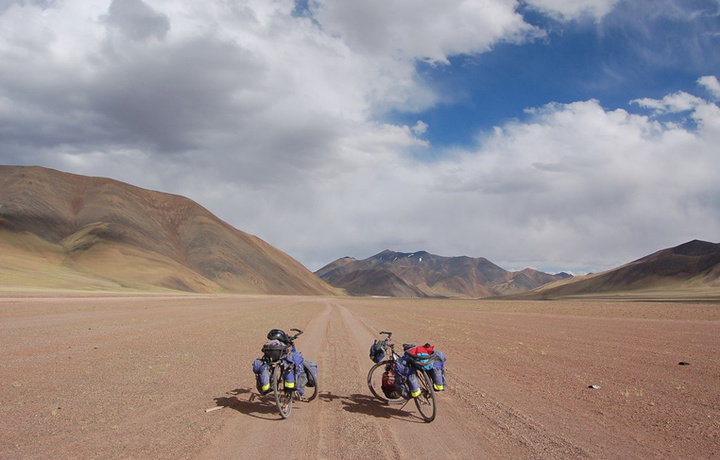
(132, 377)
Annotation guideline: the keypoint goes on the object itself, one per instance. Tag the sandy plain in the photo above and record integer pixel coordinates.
(132, 377)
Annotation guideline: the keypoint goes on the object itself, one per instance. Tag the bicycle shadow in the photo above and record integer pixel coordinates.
(368, 405)
(257, 406)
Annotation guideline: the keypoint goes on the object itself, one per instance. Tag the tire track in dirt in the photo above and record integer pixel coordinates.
(347, 422)
(448, 436)
(347, 427)
(515, 427)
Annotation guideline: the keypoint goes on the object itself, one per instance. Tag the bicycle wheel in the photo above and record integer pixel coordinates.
(374, 380)
(310, 391)
(283, 398)
(425, 402)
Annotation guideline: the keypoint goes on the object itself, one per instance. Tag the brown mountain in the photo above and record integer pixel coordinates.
(690, 270)
(429, 275)
(375, 282)
(65, 231)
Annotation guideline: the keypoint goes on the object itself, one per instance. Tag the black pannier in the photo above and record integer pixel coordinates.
(274, 350)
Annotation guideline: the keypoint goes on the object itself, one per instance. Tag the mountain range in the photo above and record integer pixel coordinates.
(61, 231)
(421, 274)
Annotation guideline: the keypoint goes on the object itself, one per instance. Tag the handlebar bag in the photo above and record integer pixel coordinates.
(377, 351)
(274, 350)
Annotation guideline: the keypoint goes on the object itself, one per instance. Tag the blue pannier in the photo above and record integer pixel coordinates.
(437, 373)
(406, 383)
(377, 351)
(262, 376)
(294, 372)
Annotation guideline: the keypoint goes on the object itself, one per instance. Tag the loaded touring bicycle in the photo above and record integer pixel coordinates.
(283, 371)
(416, 375)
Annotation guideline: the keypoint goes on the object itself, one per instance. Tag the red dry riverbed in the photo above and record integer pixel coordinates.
(132, 377)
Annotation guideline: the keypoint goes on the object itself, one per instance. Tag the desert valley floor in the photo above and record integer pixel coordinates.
(132, 377)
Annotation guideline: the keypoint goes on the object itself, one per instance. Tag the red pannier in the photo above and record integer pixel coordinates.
(389, 383)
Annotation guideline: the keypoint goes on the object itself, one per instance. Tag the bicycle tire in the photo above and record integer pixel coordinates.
(425, 401)
(311, 379)
(283, 399)
(374, 380)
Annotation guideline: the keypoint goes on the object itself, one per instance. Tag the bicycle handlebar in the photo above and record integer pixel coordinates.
(388, 334)
(293, 337)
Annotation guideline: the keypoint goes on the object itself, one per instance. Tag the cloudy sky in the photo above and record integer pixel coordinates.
(571, 135)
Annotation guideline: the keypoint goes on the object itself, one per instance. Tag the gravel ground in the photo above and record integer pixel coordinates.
(133, 377)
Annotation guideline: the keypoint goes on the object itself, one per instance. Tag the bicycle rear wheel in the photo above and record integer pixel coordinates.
(374, 380)
(283, 398)
(425, 401)
(310, 391)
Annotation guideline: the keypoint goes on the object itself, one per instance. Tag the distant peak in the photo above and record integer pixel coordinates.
(696, 248)
(388, 252)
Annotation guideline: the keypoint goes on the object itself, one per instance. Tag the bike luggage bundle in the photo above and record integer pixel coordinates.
(420, 360)
(274, 350)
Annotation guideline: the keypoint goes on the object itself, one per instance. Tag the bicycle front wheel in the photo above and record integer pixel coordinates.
(374, 380)
(425, 401)
(283, 398)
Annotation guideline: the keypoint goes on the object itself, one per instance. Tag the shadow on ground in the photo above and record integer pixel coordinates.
(250, 403)
(365, 404)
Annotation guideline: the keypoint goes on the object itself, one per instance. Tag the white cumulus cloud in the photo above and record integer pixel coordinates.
(710, 83)
(672, 103)
(425, 29)
(276, 123)
(420, 127)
